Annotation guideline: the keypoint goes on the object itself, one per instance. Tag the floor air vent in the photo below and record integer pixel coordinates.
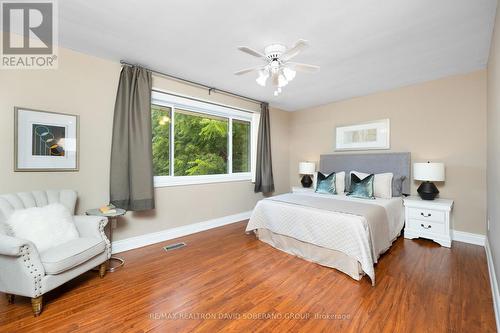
(174, 246)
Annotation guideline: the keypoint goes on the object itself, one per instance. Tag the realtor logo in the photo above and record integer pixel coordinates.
(29, 34)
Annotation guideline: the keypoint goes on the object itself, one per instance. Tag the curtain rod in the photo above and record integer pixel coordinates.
(196, 84)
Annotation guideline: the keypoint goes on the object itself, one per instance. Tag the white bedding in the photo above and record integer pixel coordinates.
(343, 232)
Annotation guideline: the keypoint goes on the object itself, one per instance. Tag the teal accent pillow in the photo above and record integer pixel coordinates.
(326, 184)
(362, 188)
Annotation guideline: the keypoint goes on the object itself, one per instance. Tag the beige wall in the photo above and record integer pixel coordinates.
(86, 86)
(439, 120)
(493, 178)
(442, 120)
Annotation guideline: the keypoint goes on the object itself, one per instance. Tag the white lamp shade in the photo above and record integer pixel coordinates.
(432, 172)
(307, 168)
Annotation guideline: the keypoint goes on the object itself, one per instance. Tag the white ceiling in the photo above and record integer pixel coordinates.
(362, 46)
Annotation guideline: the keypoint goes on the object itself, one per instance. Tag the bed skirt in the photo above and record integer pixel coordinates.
(320, 255)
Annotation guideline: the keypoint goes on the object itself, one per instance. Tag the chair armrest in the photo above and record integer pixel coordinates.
(90, 226)
(93, 226)
(11, 246)
(21, 271)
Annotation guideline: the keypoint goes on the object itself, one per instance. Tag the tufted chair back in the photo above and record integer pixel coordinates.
(10, 202)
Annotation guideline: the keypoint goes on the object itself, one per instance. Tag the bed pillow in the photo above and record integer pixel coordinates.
(339, 182)
(326, 183)
(46, 226)
(382, 184)
(397, 185)
(362, 188)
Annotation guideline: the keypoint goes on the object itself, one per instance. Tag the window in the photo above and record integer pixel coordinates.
(241, 146)
(198, 142)
(161, 117)
(201, 143)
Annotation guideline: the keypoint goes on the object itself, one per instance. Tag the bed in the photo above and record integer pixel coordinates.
(338, 231)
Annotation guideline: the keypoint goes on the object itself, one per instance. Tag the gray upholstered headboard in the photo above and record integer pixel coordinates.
(397, 163)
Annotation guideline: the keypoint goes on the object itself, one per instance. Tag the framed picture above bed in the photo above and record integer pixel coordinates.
(364, 136)
(45, 141)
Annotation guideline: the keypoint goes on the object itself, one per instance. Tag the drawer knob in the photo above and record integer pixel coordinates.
(428, 215)
(423, 226)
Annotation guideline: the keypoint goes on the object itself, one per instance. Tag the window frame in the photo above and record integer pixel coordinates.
(174, 102)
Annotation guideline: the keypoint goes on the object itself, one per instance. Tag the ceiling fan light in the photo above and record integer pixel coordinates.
(262, 78)
(289, 73)
(261, 81)
(282, 81)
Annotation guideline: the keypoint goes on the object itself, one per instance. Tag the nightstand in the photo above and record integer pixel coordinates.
(300, 189)
(428, 219)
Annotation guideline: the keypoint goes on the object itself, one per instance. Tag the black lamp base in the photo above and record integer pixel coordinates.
(428, 191)
(306, 181)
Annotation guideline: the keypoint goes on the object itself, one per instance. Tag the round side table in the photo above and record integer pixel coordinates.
(113, 217)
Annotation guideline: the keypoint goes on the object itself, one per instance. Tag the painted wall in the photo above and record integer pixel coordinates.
(493, 178)
(442, 120)
(86, 86)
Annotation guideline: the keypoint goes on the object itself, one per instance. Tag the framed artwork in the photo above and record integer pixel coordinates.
(45, 141)
(372, 135)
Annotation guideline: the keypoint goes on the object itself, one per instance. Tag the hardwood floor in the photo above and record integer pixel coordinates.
(421, 287)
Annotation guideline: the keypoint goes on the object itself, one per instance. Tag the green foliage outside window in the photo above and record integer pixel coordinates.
(200, 143)
(241, 146)
(161, 117)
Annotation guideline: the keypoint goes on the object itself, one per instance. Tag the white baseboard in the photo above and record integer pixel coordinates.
(494, 283)
(467, 237)
(161, 236)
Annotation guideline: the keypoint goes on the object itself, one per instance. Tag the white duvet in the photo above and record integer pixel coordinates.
(342, 232)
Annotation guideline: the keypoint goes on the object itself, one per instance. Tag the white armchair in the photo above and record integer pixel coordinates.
(26, 272)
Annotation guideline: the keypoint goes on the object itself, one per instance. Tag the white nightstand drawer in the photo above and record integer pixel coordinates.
(427, 215)
(427, 226)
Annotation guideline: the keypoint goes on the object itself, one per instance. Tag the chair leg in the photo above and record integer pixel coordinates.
(37, 305)
(10, 298)
(103, 268)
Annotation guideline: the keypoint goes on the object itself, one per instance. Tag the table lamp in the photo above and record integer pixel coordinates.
(428, 173)
(306, 169)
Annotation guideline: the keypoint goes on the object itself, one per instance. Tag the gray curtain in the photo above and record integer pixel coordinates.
(131, 174)
(264, 169)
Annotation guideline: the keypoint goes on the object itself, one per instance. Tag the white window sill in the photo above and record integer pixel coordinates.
(167, 181)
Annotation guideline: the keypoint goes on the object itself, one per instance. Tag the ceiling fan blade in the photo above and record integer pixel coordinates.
(252, 52)
(248, 70)
(294, 50)
(302, 67)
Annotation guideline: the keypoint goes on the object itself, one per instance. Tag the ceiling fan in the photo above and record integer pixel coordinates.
(277, 65)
